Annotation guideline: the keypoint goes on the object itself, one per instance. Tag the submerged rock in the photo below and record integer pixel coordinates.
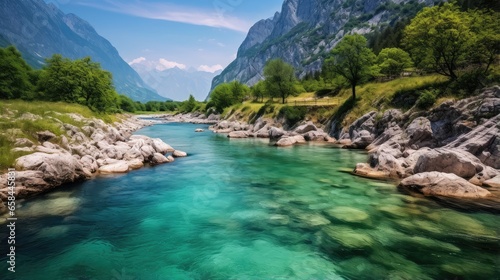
(346, 236)
(347, 214)
(443, 184)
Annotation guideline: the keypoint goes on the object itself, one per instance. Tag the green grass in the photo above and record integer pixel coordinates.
(12, 127)
(370, 96)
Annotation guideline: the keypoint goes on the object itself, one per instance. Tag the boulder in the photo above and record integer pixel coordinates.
(442, 184)
(290, 140)
(275, 133)
(161, 147)
(28, 183)
(238, 134)
(45, 136)
(318, 135)
(458, 162)
(199, 130)
(120, 166)
(133, 153)
(135, 164)
(263, 132)
(309, 126)
(493, 182)
(23, 142)
(147, 152)
(57, 168)
(89, 163)
(419, 133)
(178, 153)
(159, 159)
(362, 139)
(364, 170)
(483, 142)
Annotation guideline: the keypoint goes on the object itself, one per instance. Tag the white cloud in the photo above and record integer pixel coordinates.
(165, 64)
(211, 69)
(169, 12)
(137, 60)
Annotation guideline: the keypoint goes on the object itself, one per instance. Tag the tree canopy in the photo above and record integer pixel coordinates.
(14, 74)
(448, 40)
(351, 59)
(392, 61)
(227, 94)
(279, 79)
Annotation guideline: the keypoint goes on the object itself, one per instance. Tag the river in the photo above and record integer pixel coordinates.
(242, 209)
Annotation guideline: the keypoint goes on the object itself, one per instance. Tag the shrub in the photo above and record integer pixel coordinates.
(292, 115)
(426, 99)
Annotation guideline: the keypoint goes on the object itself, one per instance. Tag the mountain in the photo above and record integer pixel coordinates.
(304, 32)
(40, 30)
(176, 83)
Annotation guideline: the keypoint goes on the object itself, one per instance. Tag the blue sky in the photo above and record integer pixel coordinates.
(204, 35)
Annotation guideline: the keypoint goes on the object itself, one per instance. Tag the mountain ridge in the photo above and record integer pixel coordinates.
(304, 32)
(40, 30)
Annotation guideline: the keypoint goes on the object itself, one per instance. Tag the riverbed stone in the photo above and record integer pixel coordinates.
(347, 214)
(238, 134)
(346, 236)
(135, 164)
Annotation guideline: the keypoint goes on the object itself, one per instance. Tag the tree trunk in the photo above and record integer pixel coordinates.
(283, 97)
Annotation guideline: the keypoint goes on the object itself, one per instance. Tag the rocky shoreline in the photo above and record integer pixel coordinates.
(450, 151)
(82, 153)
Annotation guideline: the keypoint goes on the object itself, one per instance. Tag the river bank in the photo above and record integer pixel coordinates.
(452, 150)
(82, 153)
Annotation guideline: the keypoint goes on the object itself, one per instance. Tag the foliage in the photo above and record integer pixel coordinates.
(126, 104)
(259, 91)
(15, 75)
(189, 105)
(393, 61)
(80, 81)
(451, 42)
(352, 59)
(280, 79)
(426, 99)
(292, 114)
(227, 94)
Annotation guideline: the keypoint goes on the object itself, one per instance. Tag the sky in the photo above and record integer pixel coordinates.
(188, 34)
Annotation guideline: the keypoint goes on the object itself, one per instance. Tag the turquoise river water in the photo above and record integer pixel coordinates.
(242, 209)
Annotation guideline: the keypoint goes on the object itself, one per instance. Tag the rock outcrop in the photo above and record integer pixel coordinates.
(461, 139)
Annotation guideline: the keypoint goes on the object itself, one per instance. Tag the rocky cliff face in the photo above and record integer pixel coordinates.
(40, 30)
(304, 32)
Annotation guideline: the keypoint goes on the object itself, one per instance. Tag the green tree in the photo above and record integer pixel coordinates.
(80, 81)
(189, 105)
(126, 104)
(15, 75)
(439, 38)
(352, 60)
(259, 91)
(392, 61)
(280, 79)
(221, 97)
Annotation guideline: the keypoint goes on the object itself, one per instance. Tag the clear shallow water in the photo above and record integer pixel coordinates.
(240, 209)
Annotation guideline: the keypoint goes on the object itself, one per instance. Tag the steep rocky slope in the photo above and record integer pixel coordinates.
(305, 31)
(40, 30)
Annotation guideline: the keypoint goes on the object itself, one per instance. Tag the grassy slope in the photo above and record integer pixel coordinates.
(371, 96)
(11, 127)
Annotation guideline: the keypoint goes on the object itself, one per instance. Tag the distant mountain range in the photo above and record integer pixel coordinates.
(40, 30)
(304, 32)
(175, 83)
